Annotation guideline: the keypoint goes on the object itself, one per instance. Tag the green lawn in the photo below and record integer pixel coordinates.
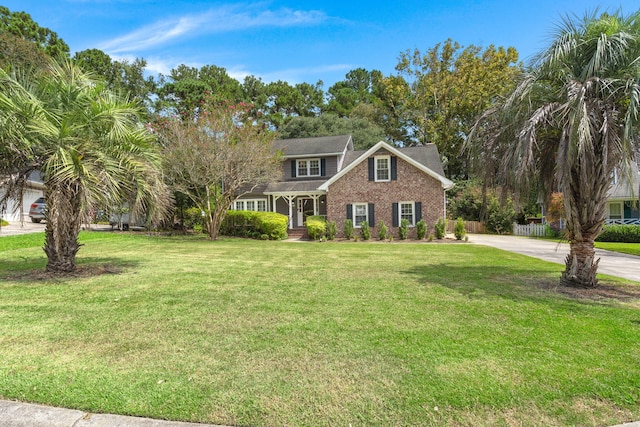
(625, 248)
(266, 333)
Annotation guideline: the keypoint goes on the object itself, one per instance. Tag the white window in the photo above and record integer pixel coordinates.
(383, 168)
(310, 167)
(259, 205)
(360, 213)
(407, 211)
(615, 211)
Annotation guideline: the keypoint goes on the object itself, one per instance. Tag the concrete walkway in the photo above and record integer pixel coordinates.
(17, 414)
(611, 263)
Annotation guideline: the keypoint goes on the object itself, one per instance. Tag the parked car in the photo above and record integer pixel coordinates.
(37, 209)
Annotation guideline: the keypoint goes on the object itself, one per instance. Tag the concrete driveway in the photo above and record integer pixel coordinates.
(611, 263)
(25, 227)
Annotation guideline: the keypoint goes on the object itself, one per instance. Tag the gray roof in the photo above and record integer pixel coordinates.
(314, 146)
(293, 186)
(427, 155)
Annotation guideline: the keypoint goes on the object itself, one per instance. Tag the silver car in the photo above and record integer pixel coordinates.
(37, 209)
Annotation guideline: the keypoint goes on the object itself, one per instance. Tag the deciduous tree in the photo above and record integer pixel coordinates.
(217, 156)
(446, 89)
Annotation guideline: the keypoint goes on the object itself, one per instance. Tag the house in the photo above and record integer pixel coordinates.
(325, 176)
(623, 196)
(18, 210)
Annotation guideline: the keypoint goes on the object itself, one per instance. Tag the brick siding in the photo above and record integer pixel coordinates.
(412, 185)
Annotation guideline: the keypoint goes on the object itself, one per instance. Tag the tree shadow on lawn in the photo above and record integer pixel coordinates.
(85, 268)
(476, 282)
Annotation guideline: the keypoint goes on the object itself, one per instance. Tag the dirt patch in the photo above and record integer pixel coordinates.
(81, 271)
(603, 292)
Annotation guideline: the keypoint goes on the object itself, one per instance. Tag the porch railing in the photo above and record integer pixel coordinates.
(626, 221)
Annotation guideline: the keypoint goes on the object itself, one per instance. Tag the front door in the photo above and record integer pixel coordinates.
(305, 209)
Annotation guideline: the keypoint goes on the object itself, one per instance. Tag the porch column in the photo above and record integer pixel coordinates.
(290, 200)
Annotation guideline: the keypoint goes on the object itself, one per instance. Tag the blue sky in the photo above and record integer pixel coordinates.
(298, 41)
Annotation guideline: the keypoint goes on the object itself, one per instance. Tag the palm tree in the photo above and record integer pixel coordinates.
(571, 121)
(89, 145)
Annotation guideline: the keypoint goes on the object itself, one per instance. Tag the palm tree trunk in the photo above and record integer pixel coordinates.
(64, 221)
(581, 269)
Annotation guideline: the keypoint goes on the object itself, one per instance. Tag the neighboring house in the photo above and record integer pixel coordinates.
(622, 203)
(18, 210)
(325, 176)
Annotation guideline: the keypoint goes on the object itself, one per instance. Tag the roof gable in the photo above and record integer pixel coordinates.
(426, 160)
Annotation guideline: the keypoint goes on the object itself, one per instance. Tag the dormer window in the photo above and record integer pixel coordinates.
(308, 167)
(383, 168)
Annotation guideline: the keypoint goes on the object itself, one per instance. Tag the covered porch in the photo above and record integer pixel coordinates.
(297, 200)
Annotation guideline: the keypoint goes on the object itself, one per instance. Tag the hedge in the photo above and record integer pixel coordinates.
(316, 227)
(263, 225)
(620, 233)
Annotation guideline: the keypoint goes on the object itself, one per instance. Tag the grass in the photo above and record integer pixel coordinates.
(625, 248)
(269, 333)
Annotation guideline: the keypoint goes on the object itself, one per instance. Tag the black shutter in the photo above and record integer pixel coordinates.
(323, 167)
(394, 168)
(418, 213)
(372, 217)
(372, 169)
(293, 169)
(350, 211)
(394, 215)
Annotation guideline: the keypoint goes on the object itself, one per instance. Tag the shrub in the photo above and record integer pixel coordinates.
(316, 227)
(458, 229)
(192, 217)
(332, 230)
(403, 230)
(421, 229)
(365, 231)
(620, 234)
(440, 228)
(254, 224)
(500, 217)
(348, 229)
(383, 230)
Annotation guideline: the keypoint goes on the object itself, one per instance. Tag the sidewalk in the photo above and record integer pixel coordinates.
(611, 263)
(17, 414)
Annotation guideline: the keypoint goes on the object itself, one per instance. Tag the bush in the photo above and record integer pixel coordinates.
(193, 217)
(620, 234)
(365, 231)
(500, 217)
(440, 227)
(383, 231)
(403, 230)
(332, 230)
(458, 229)
(421, 229)
(255, 224)
(316, 227)
(348, 229)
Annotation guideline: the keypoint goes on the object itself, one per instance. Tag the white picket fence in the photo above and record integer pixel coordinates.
(537, 230)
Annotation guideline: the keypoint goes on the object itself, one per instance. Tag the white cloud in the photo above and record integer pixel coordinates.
(222, 19)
